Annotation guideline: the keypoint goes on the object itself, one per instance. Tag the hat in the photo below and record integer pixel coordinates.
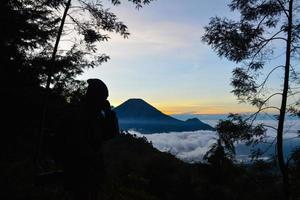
(97, 88)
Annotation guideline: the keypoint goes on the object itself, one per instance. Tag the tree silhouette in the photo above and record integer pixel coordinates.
(26, 27)
(230, 131)
(251, 41)
(83, 24)
(80, 29)
(45, 45)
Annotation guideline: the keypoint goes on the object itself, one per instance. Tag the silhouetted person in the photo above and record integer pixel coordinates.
(83, 134)
(111, 125)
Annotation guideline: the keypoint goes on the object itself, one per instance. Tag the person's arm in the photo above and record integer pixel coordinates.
(111, 125)
(116, 130)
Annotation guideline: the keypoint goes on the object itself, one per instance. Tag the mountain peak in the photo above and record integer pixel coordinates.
(137, 108)
(136, 101)
(139, 115)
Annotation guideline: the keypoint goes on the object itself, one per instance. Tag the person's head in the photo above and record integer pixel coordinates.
(96, 94)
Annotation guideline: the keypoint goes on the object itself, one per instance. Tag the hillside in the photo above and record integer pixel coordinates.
(134, 170)
(139, 115)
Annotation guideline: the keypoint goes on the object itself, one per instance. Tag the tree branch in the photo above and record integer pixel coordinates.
(258, 111)
(292, 94)
(75, 22)
(254, 115)
(283, 8)
(268, 126)
(267, 77)
(264, 43)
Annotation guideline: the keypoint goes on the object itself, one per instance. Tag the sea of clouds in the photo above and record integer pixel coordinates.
(192, 146)
(187, 146)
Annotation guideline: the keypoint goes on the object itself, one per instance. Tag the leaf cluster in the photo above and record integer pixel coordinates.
(138, 3)
(236, 129)
(233, 40)
(30, 30)
(254, 10)
(249, 41)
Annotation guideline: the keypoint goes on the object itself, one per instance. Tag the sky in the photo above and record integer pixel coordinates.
(164, 60)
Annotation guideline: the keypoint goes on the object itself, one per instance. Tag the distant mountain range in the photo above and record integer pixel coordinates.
(136, 114)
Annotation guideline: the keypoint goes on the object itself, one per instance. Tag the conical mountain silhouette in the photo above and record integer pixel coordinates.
(139, 115)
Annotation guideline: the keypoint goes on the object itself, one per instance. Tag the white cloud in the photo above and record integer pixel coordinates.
(188, 146)
(155, 38)
(192, 146)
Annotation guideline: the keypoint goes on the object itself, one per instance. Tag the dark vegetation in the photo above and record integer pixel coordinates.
(134, 169)
(250, 41)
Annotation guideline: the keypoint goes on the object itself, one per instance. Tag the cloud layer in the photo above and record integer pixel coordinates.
(187, 146)
(192, 146)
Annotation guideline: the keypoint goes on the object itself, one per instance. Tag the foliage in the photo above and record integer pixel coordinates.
(235, 129)
(136, 170)
(88, 23)
(31, 28)
(251, 41)
(27, 26)
(231, 131)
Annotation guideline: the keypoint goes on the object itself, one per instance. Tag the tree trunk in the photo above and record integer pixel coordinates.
(281, 161)
(49, 75)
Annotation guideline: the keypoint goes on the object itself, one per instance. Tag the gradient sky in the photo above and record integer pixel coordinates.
(164, 61)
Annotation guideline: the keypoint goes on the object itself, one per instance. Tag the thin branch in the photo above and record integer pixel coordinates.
(260, 110)
(293, 104)
(293, 94)
(267, 99)
(271, 116)
(297, 36)
(280, 38)
(261, 21)
(267, 77)
(76, 22)
(78, 7)
(88, 6)
(294, 88)
(271, 38)
(254, 115)
(279, 55)
(271, 107)
(296, 8)
(264, 43)
(283, 8)
(268, 126)
(269, 147)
